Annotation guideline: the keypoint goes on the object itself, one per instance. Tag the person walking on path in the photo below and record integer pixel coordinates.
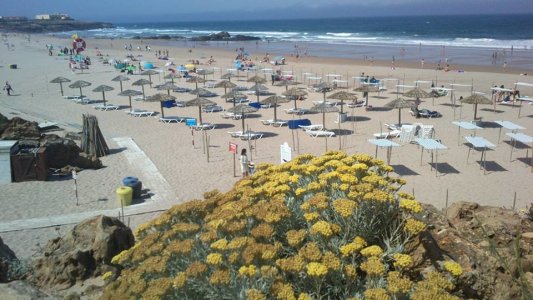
(244, 163)
(8, 88)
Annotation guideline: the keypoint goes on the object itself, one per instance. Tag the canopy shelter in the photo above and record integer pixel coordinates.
(257, 79)
(103, 88)
(161, 98)
(242, 109)
(78, 85)
(234, 95)
(522, 98)
(200, 102)
(465, 125)
(476, 99)
(120, 78)
(417, 93)
(324, 108)
(398, 104)
(365, 89)
(343, 96)
(142, 82)
(323, 88)
(150, 73)
(129, 94)
(296, 94)
(227, 76)
(200, 92)
(226, 85)
(274, 100)
(60, 80)
(204, 73)
(172, 76)
(196, 80)
(167, 86)
(258, 88)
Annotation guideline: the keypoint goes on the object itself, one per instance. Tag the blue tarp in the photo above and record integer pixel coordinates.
(294, 124)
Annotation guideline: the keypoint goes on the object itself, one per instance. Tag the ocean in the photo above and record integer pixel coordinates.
(465, 39)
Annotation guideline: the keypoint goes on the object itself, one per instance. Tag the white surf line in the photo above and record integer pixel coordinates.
(158, 185)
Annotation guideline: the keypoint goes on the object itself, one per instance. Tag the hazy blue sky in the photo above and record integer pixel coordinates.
(186, 10)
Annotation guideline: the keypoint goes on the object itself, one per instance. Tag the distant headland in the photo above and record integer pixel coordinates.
(47, 23)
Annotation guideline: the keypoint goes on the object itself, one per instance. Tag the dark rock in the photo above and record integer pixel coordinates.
(6, 257)
(22, 290)
(40, 26)
(3, 123)
(19, 129)
(62, 152)
(84, 252)
(223, 36)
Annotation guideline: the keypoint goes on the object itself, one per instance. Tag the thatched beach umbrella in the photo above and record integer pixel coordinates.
(296, 93)
(196, 80)
(120, 78)
(257, 88)
(257, 79)
(161, 98)
(400, 103)
(476, 99)
(286, 83)
(60, 80)
(274, 100)
(204, 73)
(324, 108)
(343, 96)
(79, 84)
(226, 85)
(323, 88)
(365, 89)
(233, 95)
(171, 76)
(150, 73)
(242, 109)
(167, 86)
(198, 101)
(227, 76)
(200, 92)
(142, 82)
(129, 94)
(417, 93)
(103, 88)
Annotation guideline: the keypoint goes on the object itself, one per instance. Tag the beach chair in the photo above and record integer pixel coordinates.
(312, 127)
(388, 134)
(267, 122)
(84, 100)
(106, 107)
(141, 113)
(407, 134)
(268, 105)
(356, 104)
(212, 108)
(279, 123)
(203, 126)
(320, 133)
(297, 111)
(169, 120)
(426, 132)
(251, 135)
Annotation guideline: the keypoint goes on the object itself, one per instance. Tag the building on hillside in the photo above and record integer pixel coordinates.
(13, 18)
(53, 17)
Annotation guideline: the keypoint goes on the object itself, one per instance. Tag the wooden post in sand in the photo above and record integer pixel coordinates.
(514, 200)
(75, 177)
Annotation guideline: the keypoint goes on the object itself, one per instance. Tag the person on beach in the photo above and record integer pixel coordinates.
(8, 88)
(244, 163)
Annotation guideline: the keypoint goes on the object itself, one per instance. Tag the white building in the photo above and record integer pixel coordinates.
(52, 17)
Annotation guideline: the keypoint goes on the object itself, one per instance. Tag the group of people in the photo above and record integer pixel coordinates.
(505, 96)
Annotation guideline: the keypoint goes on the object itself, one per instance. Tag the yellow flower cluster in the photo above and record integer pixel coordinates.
(344, 207)
(373, 250)
(220, 276)
(453, 268)
(315, 269)
(411, 205)
(402, 260)
(180, 280)
(349, 249)
(253, 294)
(214, 259)
(248, 271)
(324, 228)
(398, 284)
(376, 294)
(221, 245)
(107, 275)
(373, 266)
(414, 227)
(434, 286)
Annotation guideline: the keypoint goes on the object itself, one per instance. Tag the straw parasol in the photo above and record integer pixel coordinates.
(417, 93)
(198, 101)
(161, 98)
(167, 86)
(323, 88)
(200, 92)
(400, 103)
(103, 88)
(150, 73)
(171, 76)
(142, 82)
(204, 72)
(120, 78)
(476, 99)
(196, 80)
(226, 85)
(343, 96)
(60, 80)
(286, 83)
(257, 79)
(366, 89)
(274, 100)
(233, 95)
(79, 84)
(227, 76)
(257, 88)
(129, 94)
(242, 109)
(296, 93)
(324, 108)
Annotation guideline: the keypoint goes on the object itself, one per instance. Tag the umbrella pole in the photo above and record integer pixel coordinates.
(200, 114)
(103, 96)
(295, 103)
(81, 94)
(144, 96)
(120, 86)
(275, 112)
(131, 109)
(475, 112)
(162, 109)
(61, 86)
(150, 78)
(400, 117)
(324, 121)
(242, 118)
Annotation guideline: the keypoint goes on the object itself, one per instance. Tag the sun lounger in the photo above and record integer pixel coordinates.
(204, 126)
(83, 100)
(230, 115)
(312, 127)
(426, 132)
(267, 122)
(74, 97)
(268, 105)
(106, 107)
(172, 119)
(407, 134)
(388, 134)
(297, 111)
(320, 133)
(279, 123)
(141, 113)
(180, 104)
(212, 108)
(356, 104)
(251, 136)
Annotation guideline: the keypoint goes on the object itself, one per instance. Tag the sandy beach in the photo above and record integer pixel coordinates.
(183, 171)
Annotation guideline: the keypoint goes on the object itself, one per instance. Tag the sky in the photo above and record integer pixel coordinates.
(202, 10)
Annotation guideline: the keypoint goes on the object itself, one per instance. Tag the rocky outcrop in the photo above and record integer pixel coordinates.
(484, 241)
(18, 128)
(40, 26)
(22, 290)
(6, 256)
(84, 252)
(224, 36)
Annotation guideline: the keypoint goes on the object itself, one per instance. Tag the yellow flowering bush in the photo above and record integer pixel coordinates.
(335, 226)
(453, 268)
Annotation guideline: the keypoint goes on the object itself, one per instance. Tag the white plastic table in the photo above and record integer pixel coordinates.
(384, 143)
(508, 125)
(481, 143)
(432, 145)
(522, 99)
(465, 125)
(522, 138)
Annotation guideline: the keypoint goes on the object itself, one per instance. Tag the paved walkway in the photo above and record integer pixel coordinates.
(163, 196)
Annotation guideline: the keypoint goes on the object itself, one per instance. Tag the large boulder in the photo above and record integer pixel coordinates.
(61, 152)
(22, 290)
(3, 123)
(7, 256)
(20, 129)
(84, 252)
(484, 241)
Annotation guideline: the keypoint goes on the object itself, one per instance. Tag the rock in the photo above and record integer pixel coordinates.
(41, 26)
(22, 290)
(83, 253)
(6, 256)
(62, 152)
(86, 161)
(3, 123)
(527, 235)
(224, 36)
(19, 129)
